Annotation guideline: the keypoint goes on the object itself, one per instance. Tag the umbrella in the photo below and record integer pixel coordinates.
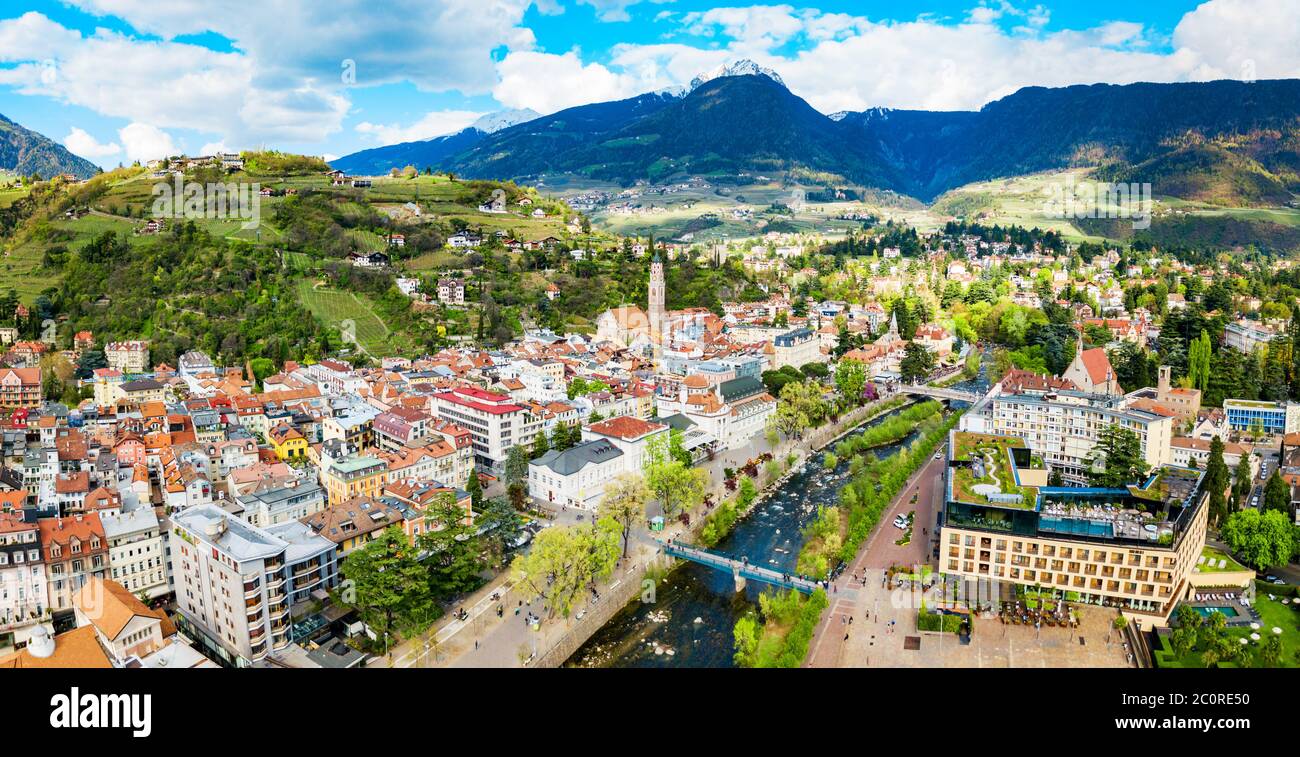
(1254, 636)
(1277, 630)
(1244, 640)
(1254, 626)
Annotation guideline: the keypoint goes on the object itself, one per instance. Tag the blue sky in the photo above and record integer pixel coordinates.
(119, 80)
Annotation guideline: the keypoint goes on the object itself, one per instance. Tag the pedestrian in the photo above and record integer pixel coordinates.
(476, 645)
(846, 636)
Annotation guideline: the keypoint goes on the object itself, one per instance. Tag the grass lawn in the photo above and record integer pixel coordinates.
(1213, 556)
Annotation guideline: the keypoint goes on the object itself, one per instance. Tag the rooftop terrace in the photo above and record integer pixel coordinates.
(986, 470)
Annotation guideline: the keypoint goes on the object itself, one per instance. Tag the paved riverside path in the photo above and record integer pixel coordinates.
(854, 594)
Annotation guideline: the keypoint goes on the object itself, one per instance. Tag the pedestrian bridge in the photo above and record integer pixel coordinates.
(740, 569)
(938, 393)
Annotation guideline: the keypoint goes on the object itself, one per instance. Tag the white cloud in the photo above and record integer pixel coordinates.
(440, 45)
(847, 62)
(290, 67)
(174, 85)
(613, 10)
(1237, 39)
(146, 142)
(79, 142)
(433, 124)
(765, 26)
(547, 82)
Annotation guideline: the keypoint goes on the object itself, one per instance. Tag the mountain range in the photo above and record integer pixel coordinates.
(1228, 141)
(26, 152)
(430, 152)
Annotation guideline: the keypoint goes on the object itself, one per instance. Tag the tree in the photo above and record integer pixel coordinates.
(1116, 458)
(565, 563)
(1242, 481)
(475, 489)
(1277, 494)
(580, 387)
(1216, 481)
(675, 484)
(541, 445)
(850, 380)
(516, 467)
(624, 503)
(391, 588)
(89, 361)
(1261, 539)
(1270, 652)
(501, 526)
(1198, 362)
(801, 406)
(455, 554)
(917, 363)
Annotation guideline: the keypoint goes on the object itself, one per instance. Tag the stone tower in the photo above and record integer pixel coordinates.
(655, 310)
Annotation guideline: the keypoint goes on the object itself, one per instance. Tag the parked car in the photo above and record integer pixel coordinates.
(900, 522)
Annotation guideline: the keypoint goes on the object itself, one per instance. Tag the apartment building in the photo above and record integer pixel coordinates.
(356, 427)
(796, 347)
(494, 421)
(20, 387)
(1260, 417)
(24, 601)
(128, 357)
(294, 500)
(235, 582)
(352, 476)
(76, 550)
(1132, 548)
(137, 557)
(354, 523)
(1245, 336)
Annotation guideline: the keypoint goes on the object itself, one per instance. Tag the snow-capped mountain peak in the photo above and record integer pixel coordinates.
(504, 119)
(744, 67)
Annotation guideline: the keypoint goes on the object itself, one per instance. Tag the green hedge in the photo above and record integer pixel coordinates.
(1284, 590)
(937, 621)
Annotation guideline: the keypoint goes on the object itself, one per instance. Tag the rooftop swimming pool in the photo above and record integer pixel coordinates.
(1077, 526)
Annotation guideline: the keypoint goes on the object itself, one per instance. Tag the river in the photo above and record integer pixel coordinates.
(690, 622)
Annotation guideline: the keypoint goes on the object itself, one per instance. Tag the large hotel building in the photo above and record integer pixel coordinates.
(1132, 548)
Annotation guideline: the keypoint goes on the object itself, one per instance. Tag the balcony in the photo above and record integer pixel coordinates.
(24, 616)
(306, 571)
